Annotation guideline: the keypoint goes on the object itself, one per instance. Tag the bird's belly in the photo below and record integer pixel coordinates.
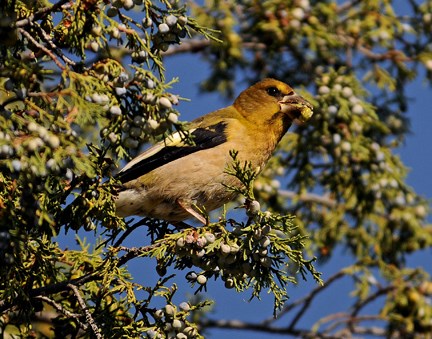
(200, 181)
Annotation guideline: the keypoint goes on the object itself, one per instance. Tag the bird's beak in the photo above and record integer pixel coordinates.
(297, 108)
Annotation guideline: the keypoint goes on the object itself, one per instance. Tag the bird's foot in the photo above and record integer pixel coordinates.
(188, 208)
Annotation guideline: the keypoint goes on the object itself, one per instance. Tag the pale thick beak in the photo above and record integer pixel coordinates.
(296, 108)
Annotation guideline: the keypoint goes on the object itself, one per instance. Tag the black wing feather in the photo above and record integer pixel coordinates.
(204, 138)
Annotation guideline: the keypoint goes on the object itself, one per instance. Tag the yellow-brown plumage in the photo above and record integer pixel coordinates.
(166, 181)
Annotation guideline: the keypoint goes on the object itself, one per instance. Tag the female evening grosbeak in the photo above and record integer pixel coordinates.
(171, 178)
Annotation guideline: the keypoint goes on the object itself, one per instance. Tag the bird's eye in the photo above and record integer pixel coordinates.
(273, 91)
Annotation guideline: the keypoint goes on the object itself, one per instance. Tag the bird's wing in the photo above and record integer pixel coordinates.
(173, 148)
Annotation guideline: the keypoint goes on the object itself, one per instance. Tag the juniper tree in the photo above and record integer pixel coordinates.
(84, 89)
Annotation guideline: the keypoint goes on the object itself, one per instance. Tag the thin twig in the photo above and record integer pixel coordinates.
(241, 325)
(134, 252)
(266, 328)
(42, 47)
(59, 308)
(332, 317)
(53, 46)
(347, 5)
(53, 288)
(309, 197)
(362, 303)
(189, 46)
(128, 231)
(41, 13)
(309, 298)
(348, 332)
(346, 319)
(393, 54)
(88, 315)
(197, 45)
(376, 331)
(61, 286)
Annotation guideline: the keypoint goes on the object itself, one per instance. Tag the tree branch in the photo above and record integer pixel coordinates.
(134, 252)
(131, 253)
(240, 325)
(343, 319)
(267, 328)
(377, 331)
(59, 308)
(347, 5)
(42, 47)
(309, 298)
(198, 45)
(309, 197)
(53, 46)
(41, 13)
(362, 303)
(87, 313)
(53, 288)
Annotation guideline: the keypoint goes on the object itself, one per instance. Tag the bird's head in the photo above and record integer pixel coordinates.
(270, 97)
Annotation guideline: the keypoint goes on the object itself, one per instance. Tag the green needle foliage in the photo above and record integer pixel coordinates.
(83, 88)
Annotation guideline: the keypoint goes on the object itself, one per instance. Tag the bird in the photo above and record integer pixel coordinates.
(173, 180)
